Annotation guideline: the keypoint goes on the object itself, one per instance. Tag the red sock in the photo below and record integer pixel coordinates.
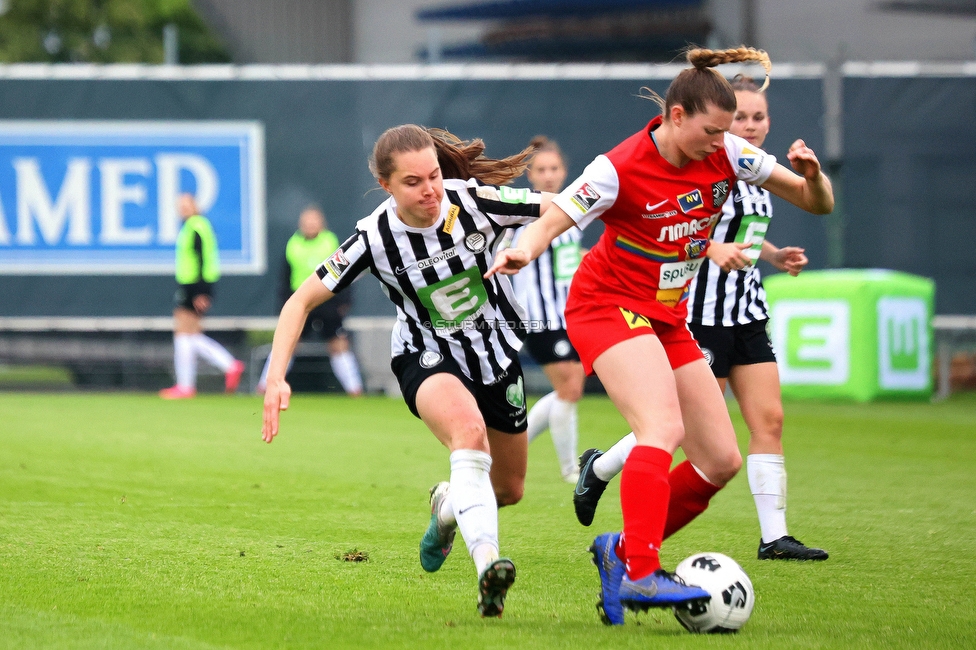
(690, 494)
(644, 500)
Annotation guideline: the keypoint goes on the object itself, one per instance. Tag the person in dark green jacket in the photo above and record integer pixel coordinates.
(308, 247)
(197, 270)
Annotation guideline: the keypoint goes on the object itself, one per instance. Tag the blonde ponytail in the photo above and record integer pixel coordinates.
(695, 88)
(702, 59)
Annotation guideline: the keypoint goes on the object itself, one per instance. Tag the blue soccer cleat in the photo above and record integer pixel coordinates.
(438, 540)
(611, 570)
(659, 589)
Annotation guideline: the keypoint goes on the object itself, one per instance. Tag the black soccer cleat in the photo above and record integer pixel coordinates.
(589, 487)
(789, 548)
(493, 584)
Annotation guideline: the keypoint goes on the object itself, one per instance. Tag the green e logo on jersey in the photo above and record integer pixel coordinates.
(752, 230)
(565, 260)
(454, 300)
(513, 194)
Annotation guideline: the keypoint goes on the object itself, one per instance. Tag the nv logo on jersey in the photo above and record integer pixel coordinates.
(690, 201)
(750, 160)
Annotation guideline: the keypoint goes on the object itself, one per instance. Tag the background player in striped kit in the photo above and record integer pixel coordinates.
(456, 341)
(657, 194)
(728, 318)
(541, 287)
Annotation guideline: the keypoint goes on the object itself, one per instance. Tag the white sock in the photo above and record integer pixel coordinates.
(538, 418)
(767, 481)
(446, 514)
(346, 370)
(612, 461)
(184, 360)
(213, 352)
(475, 508)
(562, 428)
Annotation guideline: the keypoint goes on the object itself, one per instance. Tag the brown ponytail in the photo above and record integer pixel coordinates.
(457, 158)
(466, 159)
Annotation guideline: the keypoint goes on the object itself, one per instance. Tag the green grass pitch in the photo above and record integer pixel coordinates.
(130, 522)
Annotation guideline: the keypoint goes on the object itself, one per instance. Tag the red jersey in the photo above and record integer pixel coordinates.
(658, 219)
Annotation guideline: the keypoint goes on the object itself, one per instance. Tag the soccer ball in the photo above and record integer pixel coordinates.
(732, 594)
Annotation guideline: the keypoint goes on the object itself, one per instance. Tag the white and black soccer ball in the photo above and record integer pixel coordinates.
(732, 594)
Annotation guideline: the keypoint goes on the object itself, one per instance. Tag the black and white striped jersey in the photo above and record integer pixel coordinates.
(434, 275)
(725, 299)
(543, 285)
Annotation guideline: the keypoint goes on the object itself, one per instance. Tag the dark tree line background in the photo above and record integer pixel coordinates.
(103, 31)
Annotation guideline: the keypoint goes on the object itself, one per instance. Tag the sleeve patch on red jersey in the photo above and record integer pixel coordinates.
(751, 160)
(585, 197)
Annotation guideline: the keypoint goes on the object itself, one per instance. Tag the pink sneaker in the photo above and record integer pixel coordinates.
(232, 378)
(178, 392)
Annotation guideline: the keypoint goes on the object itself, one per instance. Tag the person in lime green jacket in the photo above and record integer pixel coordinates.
(197, 270)
(312, 243)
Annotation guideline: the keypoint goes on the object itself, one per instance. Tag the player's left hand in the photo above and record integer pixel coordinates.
(276, 398)
(790, 259)
(804, 160)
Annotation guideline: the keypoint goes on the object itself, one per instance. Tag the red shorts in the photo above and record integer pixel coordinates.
(594, 329)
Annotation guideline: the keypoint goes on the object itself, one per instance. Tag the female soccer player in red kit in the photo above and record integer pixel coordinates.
(659, 193)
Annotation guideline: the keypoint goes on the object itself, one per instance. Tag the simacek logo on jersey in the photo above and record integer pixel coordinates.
(676, 231)
(690, 201)
(585, 197)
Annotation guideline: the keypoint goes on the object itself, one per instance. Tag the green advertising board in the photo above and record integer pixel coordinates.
(853, 334)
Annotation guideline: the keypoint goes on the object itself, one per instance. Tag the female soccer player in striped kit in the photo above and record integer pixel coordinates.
(542, 287)
(728, 317)
(457, 336)
(659, 193)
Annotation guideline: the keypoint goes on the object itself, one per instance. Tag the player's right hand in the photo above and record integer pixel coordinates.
(508, 262)
(276, 398)
(729, 256)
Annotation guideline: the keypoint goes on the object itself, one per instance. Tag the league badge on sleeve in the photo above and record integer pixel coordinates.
(751, 160)
(336, 264)
(585, 197)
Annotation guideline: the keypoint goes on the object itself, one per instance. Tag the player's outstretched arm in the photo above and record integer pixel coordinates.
(791, 259)
(310, 295)
(808, 188)
(536, 237)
